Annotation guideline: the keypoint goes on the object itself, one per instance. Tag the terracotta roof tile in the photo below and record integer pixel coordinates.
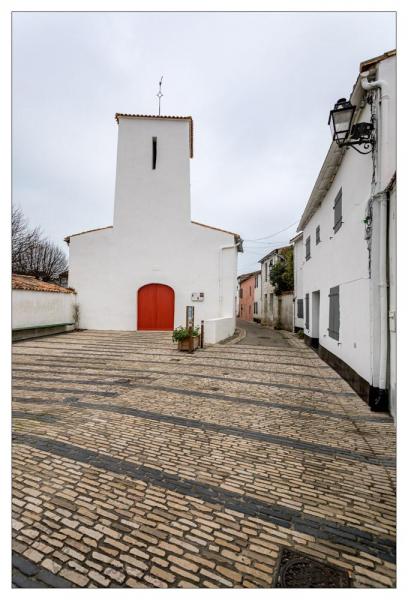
(117, 115)
(30, 283)
(367, 64)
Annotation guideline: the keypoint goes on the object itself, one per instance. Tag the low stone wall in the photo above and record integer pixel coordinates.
(216, 330)
(38, 310)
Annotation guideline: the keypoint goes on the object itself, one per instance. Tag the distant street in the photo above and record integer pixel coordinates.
(258, 335)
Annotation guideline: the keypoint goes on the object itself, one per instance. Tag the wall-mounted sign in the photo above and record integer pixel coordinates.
(197, 296)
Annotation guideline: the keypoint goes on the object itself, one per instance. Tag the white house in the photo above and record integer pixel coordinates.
(276, 310)
(143, 271)
(298, 256)
(347, 271)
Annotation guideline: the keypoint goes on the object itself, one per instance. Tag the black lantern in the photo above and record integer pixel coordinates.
(340, 120)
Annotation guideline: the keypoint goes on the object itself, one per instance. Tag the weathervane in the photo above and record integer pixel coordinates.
(160, 95)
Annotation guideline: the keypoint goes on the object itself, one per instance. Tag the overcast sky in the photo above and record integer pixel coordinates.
(259, 87)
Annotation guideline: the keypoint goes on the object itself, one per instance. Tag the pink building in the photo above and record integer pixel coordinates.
(246, 296)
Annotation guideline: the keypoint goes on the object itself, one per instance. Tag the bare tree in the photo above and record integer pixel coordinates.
(22, 239)
(31, 253)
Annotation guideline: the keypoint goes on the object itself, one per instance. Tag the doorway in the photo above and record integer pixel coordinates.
(155, 308)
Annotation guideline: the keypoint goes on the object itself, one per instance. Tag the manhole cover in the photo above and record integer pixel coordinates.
(297, 570)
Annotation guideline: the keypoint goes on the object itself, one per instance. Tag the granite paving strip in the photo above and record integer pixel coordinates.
(285, 517)
(239, 432)
(98, 527)
(27, 574)
(377, 418)
(302, 375)
(269, 473)
(251, 382)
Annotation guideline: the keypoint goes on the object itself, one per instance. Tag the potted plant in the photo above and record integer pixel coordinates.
(182, 336)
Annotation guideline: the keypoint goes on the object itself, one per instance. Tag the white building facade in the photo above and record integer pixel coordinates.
(346, 273)
(276, 310)
(258, 297)
(298, 300)
(143, 271)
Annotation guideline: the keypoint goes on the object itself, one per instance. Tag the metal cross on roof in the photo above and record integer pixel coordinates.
(159, 94)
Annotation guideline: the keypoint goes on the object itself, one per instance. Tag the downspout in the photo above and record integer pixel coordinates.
(380, 402)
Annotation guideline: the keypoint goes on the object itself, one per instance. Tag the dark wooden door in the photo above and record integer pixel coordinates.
(155, 308)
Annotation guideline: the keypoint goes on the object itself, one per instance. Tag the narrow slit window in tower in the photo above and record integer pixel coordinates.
(154, 147)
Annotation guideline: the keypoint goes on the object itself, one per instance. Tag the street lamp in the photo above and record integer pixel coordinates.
(344, 134)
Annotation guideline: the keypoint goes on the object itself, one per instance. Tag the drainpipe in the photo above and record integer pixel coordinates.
(380, 402)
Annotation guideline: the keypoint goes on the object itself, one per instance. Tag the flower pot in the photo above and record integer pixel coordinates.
(184, 345)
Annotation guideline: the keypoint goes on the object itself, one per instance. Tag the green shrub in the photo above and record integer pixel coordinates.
(182, 333)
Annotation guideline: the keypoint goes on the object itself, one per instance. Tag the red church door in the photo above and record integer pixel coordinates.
(155, 308)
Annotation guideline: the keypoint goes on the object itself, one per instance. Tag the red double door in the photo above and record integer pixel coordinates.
(155, 308)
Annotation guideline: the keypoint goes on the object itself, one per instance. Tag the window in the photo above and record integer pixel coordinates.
(318, 235)
(250, 291)
(338, 212)
(255, 308)
(266, 271)
(334, 313)
(154, 152)
(256, 280)
(271, 302)
(300, 308)
(240, 292)
(307, 311)
(308, 247)
(266, 303)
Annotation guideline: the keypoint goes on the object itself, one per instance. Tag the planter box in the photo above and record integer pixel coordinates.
(184, 345)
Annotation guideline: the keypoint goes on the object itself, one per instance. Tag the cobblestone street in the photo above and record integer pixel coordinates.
(135, 465)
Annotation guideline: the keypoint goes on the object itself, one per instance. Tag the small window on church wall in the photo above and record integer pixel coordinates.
(154, 155)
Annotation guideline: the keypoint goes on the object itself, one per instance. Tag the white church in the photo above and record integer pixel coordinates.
(142, 272)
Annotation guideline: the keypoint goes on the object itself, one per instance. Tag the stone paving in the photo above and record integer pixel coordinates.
(135, 465)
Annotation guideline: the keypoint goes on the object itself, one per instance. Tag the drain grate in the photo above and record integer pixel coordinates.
(297, 570)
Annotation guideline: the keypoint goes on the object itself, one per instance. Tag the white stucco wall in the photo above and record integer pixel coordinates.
(216, 330)
(283, 310)
(153, 239)
(298, 256)
(258, 296)
(342, 258)
(266, 289)
(35, 309)
(392, 312)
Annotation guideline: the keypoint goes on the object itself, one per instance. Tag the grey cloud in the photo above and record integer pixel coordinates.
(258, 85)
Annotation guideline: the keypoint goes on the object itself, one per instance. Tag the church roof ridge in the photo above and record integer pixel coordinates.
(67, 238)
(238, 239)
(236, 235)
(175, 118)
